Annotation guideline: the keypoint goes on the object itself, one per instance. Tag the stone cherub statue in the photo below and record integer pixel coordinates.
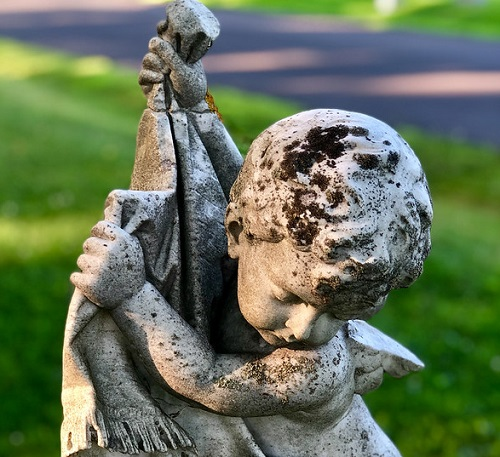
(172, 348)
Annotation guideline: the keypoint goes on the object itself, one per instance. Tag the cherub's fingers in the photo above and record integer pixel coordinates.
(146, 88)
(106, 230)
(80, 281)
(152, 62)
(366, 382)
(95, 246)
(166, 52)
(89, 264)
(85, 284)
(150, 77)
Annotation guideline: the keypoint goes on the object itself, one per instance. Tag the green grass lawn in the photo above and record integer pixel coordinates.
(67, 129)
(450, 16)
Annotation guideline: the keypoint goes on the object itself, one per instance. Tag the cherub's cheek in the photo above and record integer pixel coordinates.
(273, 339)
(274, 321)
(261, 316)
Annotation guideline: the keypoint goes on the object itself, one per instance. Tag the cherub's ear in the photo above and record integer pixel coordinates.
(234, 230)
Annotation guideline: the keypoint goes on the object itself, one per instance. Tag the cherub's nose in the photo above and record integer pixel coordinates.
(301, 321)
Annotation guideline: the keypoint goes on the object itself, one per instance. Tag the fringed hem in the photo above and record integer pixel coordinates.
(129, 431)
(143, 431)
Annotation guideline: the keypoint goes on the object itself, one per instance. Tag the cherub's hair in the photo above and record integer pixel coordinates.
(325, 175)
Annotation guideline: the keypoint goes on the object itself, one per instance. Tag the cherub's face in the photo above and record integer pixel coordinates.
(348, 199)
(289, 296)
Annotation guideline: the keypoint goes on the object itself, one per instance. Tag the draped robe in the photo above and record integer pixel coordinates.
(185, 164)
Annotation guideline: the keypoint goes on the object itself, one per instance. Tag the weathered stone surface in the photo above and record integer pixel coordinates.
(155, 163)
(191, 28)
(172, 348)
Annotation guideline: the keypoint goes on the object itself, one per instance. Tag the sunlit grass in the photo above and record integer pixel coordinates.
(26, 239)
(68, 137)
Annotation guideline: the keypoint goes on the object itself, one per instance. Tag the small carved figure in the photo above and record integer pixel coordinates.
(330, 212)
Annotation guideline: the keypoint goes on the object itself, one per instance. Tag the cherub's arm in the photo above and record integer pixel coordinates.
(189, 85)
(284, 381)
(230, 384)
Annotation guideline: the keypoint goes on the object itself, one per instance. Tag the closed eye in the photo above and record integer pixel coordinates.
(285, 296)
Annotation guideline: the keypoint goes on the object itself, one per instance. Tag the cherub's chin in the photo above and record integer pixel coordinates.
(279, 341)
(273, 339)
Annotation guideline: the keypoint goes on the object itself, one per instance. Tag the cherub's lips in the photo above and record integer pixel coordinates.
(277, 337)
(284, 335)
(283, 338)
(293, 343)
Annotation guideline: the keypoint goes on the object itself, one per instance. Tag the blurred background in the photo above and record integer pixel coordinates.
(69, 109)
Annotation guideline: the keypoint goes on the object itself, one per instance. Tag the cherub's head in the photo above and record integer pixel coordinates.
(330, 212)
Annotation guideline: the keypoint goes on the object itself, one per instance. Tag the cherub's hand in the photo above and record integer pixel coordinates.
(153, 72)
(112, 266)
(375, 353)
(188, 80)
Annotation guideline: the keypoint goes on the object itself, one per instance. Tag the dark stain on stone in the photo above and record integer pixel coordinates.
(298, 162)
(292, 146)
(335, 197)
(327, 140)
(320, 180)
(359, 131)
(318, 145)
(299, 214)
(302, 230)
(367, 161)
(392, 161)
(328, 288)
(274, 234)
(264, 151)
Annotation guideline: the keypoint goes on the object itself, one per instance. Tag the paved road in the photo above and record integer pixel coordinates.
(445, 85)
